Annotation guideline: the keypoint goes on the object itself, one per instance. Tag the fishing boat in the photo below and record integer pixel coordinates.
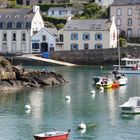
(54, 135)
(131, 66)
(132, 106)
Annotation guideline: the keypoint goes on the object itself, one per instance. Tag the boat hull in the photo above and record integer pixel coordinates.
(60, 137)
(130, 110)
(129, 71)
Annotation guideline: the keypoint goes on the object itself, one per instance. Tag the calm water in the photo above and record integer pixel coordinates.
(50, 110)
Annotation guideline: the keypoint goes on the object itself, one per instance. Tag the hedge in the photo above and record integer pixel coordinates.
(55, 21)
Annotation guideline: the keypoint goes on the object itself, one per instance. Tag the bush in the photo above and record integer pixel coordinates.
(122, 42)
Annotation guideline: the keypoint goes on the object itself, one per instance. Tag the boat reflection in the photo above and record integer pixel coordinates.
(130, 116)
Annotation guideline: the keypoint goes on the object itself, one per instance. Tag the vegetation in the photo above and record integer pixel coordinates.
(122, 42)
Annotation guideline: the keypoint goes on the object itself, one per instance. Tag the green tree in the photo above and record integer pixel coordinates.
(91, 10)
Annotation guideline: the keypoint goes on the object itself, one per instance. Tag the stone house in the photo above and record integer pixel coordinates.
(17, 26)
(127, 14)
(87, 34)
(104, 2)
(44, 40)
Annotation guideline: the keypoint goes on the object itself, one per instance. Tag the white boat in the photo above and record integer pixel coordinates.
(132, 106)
(132, 66)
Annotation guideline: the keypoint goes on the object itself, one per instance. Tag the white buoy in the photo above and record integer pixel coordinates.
(101, 88)
(27, 106)
(82, 125)
(93, 91)
(67, 98)
(101, 67)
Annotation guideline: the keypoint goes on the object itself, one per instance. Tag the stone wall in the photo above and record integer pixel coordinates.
(95, 57)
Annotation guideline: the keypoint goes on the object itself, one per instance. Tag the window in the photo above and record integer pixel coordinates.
(119, 12)
(14, 37)
(18, 25)
(98, 36)
(23, 37)
(74, 36)
(9, 25)
(129, 32)
(27, 2)
(129, 12)
(61, 38)
(52, 12)
(98, 46)
(43, 38)
(5, 24)
(1, 25)
(74, 46)
(28, 24)
(86, 46)
(118, 22)
(129, 22)
(60, 12)
(35, 46)
(86, 36)
(40, 1)
(4, 37)
(139, 32)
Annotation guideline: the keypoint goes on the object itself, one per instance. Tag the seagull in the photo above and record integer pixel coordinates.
(82, 125)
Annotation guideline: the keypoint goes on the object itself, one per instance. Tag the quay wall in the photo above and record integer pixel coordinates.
(95, 57)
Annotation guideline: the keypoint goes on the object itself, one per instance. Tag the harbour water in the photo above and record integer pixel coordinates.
(50, 109)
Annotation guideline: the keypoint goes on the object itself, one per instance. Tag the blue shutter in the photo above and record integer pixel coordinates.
(76, 36)
(76, 46)
(89, 36)
(95, 36)
(95, 46)
(101, 46)
(71, 47)
(83, 36)
(101, 36)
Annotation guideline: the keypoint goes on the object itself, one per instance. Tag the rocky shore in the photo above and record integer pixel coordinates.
(17, 77)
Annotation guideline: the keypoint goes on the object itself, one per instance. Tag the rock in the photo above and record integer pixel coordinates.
(16, 77)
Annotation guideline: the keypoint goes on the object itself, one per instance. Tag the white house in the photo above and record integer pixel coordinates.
(44, 40)
(88, 34)
(104, 2)
(17, 26)
(61, 12)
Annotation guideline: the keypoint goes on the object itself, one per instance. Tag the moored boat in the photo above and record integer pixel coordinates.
(132, 66)
(54, 135)
(132, 106)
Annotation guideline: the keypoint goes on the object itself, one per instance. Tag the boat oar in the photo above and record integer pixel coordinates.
(91, 125)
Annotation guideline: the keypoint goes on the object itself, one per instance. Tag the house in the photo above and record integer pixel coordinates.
(104, 2)
(61, 12)
(87, 34)
(127, 16)
(36, 2)
(44, 40)
(17, 26)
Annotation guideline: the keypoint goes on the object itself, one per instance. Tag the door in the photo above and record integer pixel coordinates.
(44, 47)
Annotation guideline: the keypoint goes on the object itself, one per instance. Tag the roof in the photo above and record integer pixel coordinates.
(96, 24)
(125, 2)
(16, 15)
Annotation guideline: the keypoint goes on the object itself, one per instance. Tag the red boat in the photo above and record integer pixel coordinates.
(54, 135)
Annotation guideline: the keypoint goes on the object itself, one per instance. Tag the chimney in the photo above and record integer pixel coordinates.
(36, 8)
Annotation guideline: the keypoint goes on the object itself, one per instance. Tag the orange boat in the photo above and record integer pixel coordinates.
(54, 135)
(115, 85)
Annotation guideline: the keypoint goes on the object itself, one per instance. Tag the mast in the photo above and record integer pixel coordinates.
(118, 51)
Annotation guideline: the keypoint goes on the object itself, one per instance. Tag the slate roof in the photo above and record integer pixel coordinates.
(97, 24)
(10, 15)
(125, 2)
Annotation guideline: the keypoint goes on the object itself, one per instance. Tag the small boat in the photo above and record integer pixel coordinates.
(131, 66)
(54, 135)
(132, 106)
(96, 79)
(82, 125)
(105, 83)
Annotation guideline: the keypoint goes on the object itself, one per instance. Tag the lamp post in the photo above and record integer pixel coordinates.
(118, 45)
